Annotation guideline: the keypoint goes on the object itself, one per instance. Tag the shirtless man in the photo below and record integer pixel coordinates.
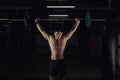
(57, 43)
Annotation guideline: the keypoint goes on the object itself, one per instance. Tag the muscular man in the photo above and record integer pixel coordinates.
(57, 43)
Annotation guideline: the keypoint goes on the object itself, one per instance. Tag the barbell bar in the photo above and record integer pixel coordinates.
(6, 19)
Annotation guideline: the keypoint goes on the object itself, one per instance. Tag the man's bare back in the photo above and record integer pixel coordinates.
(57, 47)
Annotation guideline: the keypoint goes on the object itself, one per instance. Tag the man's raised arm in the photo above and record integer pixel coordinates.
(73, 29)
(40, 28)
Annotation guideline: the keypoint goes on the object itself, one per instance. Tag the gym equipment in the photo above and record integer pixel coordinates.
(27, 21)
(51, 19)
(88, 19)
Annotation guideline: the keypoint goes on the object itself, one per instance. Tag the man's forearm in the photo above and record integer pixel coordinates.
(73, 29)
(40, 28)
(75, 25)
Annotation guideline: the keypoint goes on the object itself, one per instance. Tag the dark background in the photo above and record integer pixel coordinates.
(25, 53)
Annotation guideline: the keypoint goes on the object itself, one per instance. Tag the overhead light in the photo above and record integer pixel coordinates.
(55, 0)
(60, 6)
(4, 19)
(58, 15)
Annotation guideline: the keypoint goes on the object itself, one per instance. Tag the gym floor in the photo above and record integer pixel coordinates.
(37, 69)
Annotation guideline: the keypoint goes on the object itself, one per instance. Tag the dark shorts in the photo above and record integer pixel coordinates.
(57, 68)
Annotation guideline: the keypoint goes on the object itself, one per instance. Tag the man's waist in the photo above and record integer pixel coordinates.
(57, 57)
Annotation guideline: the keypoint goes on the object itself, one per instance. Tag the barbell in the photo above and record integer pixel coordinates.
(15, 19)
(27, 19)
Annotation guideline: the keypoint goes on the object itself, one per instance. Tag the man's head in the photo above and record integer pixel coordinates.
(58, 34)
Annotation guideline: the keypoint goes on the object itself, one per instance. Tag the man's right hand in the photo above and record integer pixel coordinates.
(37, 19)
